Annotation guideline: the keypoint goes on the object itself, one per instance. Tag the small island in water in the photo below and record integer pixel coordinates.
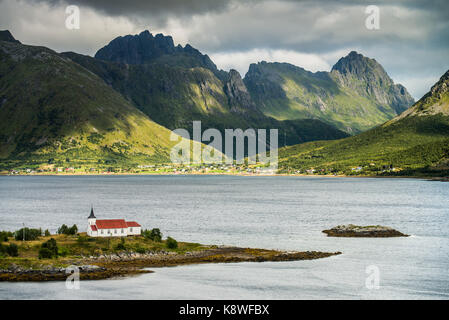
(351, 230)
(45, 257)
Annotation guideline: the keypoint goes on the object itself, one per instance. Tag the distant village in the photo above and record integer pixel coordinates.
(149, 169)
(242, 169)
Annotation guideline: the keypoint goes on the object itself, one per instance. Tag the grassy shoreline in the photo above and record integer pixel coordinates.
(100, 258)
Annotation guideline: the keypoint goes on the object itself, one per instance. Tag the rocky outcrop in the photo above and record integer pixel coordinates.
(351, 230)
(237, 93)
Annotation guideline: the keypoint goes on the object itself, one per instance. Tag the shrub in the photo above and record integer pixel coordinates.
(121, 245)
(45, 253)
(2, 250)
(154, 234)
(49, 249)
(140, 250)
(12, 250)
(30, 234)
(171, 243)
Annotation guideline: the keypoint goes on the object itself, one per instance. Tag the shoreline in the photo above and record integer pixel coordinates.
(428, 178)
(131, 263)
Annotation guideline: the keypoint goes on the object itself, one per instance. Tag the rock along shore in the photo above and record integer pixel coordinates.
(131, 263)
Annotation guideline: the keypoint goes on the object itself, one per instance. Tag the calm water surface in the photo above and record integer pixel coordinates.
(266, 212)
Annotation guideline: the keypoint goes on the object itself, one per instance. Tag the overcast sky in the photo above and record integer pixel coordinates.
(412, 43)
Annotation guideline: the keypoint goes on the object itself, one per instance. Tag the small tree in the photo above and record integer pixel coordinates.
(73, 230)
(63, 229)
(154, 234)
(47, 233)
(68, 231)
(171, 243)
(29, 234)
(12, 250)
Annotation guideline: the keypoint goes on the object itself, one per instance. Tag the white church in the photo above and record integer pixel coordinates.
(111, 227)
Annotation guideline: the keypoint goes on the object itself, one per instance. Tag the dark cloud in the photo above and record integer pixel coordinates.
(148, 8)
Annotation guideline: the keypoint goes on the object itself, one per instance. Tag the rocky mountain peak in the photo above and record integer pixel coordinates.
(5, 35)
(357, 64)
(137, 49)
(367, 77)
(145, 48)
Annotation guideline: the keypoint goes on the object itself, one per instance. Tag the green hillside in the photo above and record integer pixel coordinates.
(355, 96)
(415, 142)
(54, 111)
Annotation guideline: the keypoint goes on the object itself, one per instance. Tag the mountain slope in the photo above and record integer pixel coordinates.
(53, 109)
(417, 141)
(174, 91)
(356, 95)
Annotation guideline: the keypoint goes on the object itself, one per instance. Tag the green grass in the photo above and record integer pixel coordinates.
(412, 145)
(54, 109)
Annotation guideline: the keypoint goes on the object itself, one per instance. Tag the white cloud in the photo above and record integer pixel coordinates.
(418, 86)
(241, 60)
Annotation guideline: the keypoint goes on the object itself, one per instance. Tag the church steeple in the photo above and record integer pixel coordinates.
(92, 216)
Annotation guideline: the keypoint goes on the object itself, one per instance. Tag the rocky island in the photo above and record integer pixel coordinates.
(351, 230)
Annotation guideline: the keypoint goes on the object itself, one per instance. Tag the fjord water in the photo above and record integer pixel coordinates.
(266, 212)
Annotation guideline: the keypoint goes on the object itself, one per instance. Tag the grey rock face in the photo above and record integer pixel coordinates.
(146, 48)
(368, 77)
(237, 92)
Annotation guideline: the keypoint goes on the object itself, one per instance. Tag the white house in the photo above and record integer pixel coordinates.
(111, 227)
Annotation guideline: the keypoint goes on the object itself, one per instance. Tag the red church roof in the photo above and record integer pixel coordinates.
(111, 224)
(132, 224)
(93, 227)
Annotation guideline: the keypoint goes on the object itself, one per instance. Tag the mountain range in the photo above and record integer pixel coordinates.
(356, 95)
(120, 105)
(414, 143)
